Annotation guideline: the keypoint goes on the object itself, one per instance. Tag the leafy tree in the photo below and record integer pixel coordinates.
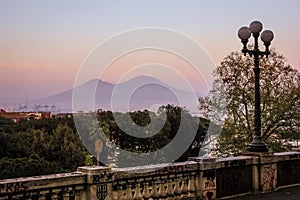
(35, 150)
(280, 102)
(66, 148)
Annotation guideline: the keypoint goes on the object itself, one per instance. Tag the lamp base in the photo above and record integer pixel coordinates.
(257, 145)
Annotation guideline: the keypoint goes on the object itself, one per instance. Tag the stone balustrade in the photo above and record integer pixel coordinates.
(58, 186)
(198, 178)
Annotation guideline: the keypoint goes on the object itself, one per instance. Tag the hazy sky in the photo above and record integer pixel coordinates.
(43, 43)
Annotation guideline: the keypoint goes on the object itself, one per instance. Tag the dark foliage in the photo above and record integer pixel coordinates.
(44, 146)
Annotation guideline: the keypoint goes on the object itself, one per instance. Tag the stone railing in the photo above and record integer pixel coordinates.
(198, 178)
(58, 186)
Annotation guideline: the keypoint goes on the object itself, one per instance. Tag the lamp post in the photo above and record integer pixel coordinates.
(244, 33)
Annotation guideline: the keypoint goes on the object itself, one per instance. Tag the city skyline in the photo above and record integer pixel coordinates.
(43, 44)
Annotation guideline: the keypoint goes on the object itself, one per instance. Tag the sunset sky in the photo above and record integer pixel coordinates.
(44, 43)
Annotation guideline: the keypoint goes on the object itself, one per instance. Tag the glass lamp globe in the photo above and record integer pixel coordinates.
(255, 26)
(244, 33)
(267, 36)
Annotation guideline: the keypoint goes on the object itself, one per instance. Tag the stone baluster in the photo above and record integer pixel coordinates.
(121, 194)
(124, 195)
(116, 194)
(128, 195)
(146, 192)
(177, 189)
(191, 186)
(155, 187)
(160, 190)
(163, 186)
(184, 189)
(137, 193)
(170, 190)
(54, 196)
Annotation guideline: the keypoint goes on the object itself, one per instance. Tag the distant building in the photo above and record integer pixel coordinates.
(63, 115)
(17, 116)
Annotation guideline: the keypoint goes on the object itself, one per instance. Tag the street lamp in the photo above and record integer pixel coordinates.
(244, 33)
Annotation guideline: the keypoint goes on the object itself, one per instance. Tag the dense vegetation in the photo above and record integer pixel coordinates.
(44, 146)
(37, 147)
(145, 138)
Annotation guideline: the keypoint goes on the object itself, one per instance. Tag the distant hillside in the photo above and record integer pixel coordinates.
(144, 92)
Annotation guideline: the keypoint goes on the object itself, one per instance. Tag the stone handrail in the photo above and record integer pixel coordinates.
(198, 178)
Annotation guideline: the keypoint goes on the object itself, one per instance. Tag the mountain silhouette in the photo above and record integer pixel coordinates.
(138, 93)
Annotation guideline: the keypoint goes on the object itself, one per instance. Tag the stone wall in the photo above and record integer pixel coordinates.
(198, 178)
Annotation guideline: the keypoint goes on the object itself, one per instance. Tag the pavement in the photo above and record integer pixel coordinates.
(292, 193)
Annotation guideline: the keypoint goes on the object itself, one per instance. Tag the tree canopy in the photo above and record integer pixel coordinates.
(38, 147)
(54, 145)
(138, 133)
(280, 102)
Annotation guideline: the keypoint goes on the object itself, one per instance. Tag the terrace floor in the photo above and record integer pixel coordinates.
(292, 193)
